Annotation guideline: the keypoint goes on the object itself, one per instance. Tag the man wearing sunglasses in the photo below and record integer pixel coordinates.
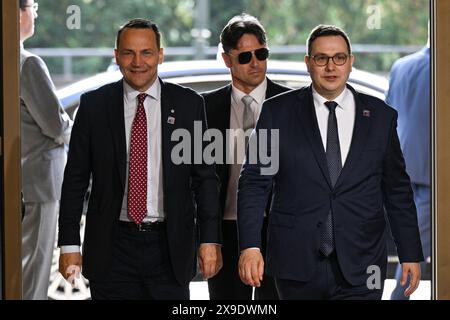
(341, 170)
(237, 106)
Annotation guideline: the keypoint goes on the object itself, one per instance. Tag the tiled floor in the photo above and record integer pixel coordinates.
(199, 290)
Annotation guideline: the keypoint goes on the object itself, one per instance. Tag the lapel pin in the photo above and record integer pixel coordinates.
(366, 113)
(171, 120)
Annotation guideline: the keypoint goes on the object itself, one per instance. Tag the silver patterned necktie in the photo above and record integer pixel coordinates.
(333, 153)
(248, 121)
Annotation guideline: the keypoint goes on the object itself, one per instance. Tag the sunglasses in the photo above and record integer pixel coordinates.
(245, 57)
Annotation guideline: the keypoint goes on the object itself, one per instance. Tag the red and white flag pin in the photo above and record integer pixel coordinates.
(171, 120)
(366, 113)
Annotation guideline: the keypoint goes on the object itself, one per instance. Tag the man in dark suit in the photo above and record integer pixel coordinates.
(340, 169)
(140, 239)
(245, 52)
(409, 94)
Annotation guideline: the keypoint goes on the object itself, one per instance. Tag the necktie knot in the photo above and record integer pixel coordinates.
(141, 98)
(247, 100)
(331, 105)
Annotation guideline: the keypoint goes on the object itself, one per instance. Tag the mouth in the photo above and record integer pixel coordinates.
(255, 72)
(138, 71)
(331, 78)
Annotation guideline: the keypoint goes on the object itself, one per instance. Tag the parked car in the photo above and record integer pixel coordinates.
(200, 76)
(204, 75)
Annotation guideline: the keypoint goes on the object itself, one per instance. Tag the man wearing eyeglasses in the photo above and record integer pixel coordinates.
(237, 107)
(341, 170)
(45, 128)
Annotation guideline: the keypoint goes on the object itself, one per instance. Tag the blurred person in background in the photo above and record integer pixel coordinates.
(409, 94)
(45, 129)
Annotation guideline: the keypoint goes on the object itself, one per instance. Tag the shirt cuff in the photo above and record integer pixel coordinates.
(217, 244)
(69, 249)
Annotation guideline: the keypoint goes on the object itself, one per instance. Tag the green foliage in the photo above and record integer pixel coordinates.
(287, 22)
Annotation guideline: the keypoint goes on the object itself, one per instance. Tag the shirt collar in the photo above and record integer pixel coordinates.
(319, 101)
(258, 94)
(154, 91)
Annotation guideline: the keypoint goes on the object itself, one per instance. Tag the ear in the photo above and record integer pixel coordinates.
(307, 61)
(116, 55)
(161, 56)
(352, 60)
(226, 58)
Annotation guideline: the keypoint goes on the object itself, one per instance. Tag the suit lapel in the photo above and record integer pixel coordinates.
(359, 136)
(225, 111)
(222, 122)
(271, 89)
(117, 121)
(168, 113)
(308, 118)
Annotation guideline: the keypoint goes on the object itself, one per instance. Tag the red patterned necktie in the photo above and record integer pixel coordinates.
(137, 178)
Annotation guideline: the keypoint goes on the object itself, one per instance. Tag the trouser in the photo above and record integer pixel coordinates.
(38, 241)
(327, 283)
(227, 285)
(140, 268)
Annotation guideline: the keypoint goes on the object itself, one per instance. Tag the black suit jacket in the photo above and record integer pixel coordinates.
(373, 180)
(218, 107)
(98, 148)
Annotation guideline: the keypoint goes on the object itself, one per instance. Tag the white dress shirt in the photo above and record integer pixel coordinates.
(152, 106)
(345, 116)
(236, 122)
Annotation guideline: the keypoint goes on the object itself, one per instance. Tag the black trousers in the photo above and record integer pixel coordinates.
(140, 269)
(328, 283)
(227, 284)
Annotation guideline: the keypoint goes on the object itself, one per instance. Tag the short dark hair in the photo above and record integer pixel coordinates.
(140, 24)
(237, 27)
(22, 4)
(324, 31)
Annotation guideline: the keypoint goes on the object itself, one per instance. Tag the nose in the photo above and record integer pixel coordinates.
(254, 62)
(330, 64)
(136, 60)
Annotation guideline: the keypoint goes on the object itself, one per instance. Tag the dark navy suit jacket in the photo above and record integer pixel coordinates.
(373, 180)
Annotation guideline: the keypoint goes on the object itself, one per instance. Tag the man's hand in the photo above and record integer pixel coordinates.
(68, 259)
(251, 267)
(411, 269)
(209, 259)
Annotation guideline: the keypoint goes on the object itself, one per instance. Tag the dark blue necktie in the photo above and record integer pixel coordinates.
(333, 153)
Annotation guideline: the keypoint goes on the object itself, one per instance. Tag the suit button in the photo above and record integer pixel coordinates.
(333, 196)
(319, 224)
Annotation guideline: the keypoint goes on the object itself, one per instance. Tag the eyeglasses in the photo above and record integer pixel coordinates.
(338, 59)
(245, 57)
(34, 6)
